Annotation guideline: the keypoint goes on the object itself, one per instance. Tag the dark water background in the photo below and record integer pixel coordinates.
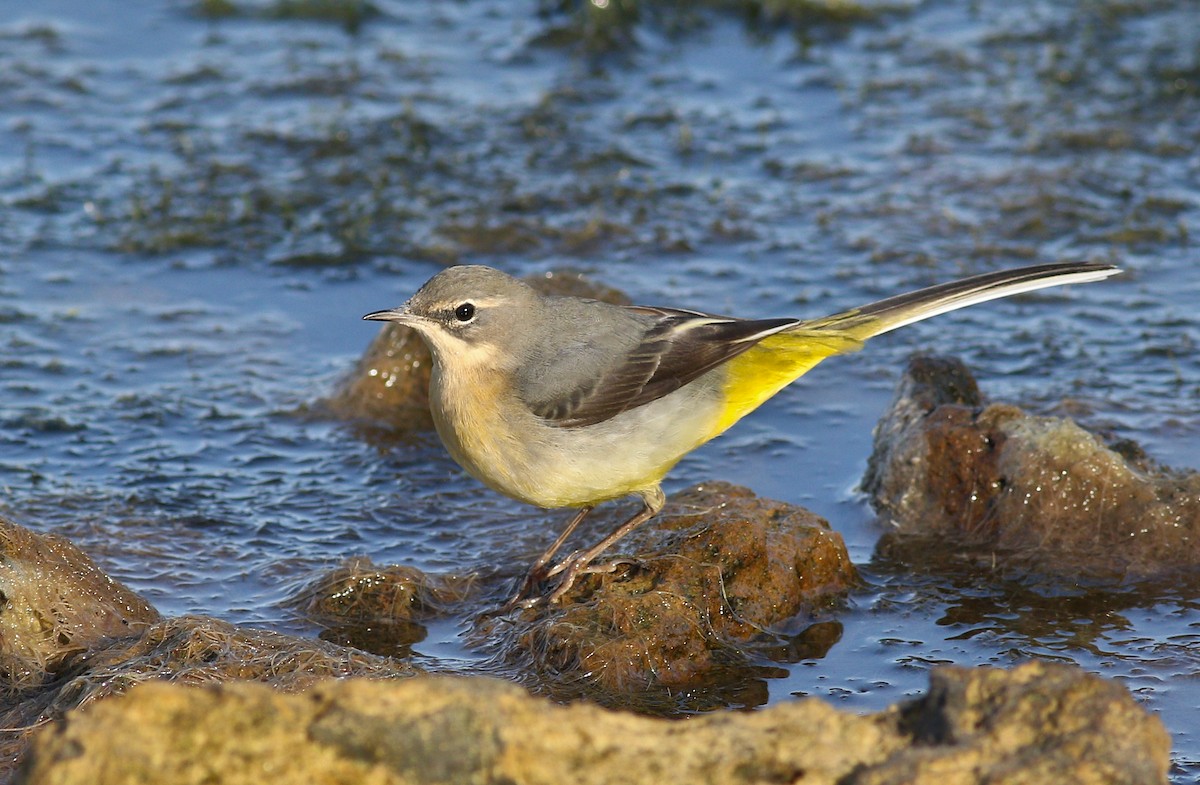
(198, 201)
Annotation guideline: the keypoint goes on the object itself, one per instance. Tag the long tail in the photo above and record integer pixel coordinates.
(779, 359)
(884, 315)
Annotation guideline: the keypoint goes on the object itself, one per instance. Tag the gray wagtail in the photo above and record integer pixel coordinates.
(567, 402)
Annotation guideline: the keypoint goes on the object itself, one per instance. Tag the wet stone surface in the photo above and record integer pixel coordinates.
(1039, 723)
(1039, 492)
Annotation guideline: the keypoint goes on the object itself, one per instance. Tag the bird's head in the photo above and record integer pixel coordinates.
(469, 314)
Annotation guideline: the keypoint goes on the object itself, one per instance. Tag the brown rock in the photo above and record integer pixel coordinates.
(70, 636)
(201, 649)
(1039, 723)
(1040, 489)
(569, 282)
(718, 568)
(190, 650)
(390, 383)
(54, 603)
(375, 608)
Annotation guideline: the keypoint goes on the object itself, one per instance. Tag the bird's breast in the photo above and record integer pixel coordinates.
(492, 435)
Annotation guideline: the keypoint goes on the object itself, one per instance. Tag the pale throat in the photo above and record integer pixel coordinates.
(469, 387)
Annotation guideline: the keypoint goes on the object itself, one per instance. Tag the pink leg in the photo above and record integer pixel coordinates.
(537, 573)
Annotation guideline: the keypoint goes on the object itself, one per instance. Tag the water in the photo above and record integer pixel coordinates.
(195, 211)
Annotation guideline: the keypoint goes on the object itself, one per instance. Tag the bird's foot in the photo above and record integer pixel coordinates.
(570, 568)
(524, 597)
(572, 572)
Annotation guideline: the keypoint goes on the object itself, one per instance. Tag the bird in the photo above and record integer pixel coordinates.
(566, 402)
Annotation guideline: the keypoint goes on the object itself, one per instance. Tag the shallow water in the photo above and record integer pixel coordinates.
(195, 211)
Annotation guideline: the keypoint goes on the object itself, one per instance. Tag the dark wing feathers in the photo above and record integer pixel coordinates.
(659, 312)
(677, 347)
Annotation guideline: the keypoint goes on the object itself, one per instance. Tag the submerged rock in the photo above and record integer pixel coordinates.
(378, 609)
(1038, 723)
(390, 383)
(717, 572)
(1041, 490)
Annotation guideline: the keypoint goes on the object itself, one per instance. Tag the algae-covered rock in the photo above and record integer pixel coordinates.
(54, 603)
(1038, 723)
(1042, 490)
(201, 649)
(187, 650)
(378, 608)
(719, 568)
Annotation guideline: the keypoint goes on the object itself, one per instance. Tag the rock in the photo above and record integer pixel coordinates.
(1040, 490)
(569, 282)
(54, 603)
(719, 569)
(190, 650)
(719, 573)
(1039, 723)
(70, 636)
(378, 609)
(390, 384)
(201, 649)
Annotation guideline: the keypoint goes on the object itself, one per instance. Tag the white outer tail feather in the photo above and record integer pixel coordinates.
(953, 303)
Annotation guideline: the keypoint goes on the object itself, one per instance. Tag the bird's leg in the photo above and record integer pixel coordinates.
(537, 573)
(571, 526)
(577, 563)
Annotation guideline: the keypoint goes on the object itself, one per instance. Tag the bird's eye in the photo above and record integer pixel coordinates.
(465, 312)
